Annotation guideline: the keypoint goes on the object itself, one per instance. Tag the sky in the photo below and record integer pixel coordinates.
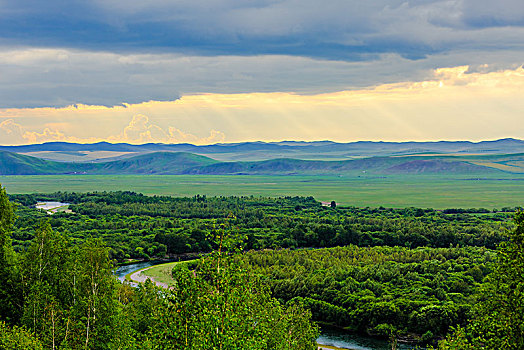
(214, 71)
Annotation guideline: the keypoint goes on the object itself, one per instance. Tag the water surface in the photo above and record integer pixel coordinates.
(341, 339)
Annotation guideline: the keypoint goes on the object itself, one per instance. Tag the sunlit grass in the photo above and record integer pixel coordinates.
(426, 191)
(161, 273)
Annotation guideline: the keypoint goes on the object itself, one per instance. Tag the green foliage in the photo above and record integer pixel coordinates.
(228, 310)
(6, 219)
(142, 227)
(427, 337)
(378, 290)
(458, 340)
(71, 300)
(68, 292)
(398, 272)
(219, 305)
(9, 276)
(96, 289)
(17, 338)
(498, 321)
(45, 289)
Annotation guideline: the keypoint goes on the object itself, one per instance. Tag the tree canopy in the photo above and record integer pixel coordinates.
(498, 319)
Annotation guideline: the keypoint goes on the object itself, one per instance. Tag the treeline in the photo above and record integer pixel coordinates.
(59, 293)
(481, 210)
(138, 226)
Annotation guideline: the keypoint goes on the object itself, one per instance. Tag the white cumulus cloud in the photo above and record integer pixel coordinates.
(141, 130)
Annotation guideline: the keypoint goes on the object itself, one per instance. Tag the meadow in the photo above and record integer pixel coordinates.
(397, 191)
(161, 273)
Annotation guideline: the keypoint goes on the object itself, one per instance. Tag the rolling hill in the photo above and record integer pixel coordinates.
(255, 151)
(437, 166)
(178, 163)
(155, 163)
(375, 165)
(18, 164)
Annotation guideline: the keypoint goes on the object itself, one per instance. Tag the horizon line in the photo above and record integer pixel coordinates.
(260, 141)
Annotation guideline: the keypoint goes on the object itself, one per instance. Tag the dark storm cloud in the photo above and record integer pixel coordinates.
(487, 13)
(332, 29)
(108, 52)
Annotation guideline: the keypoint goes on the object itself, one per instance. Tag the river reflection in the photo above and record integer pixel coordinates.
(337, 338)
(122, 271)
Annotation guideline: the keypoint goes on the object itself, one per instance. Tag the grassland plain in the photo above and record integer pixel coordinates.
(425, 191)
(161, 273)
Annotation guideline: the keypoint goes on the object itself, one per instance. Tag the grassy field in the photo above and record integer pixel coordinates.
(161, 273)
(426, 191)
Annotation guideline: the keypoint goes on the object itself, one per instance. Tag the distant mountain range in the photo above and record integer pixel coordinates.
(185, 163)
(151, 163)
(253, 151)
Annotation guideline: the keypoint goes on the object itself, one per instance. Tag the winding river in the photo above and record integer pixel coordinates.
(328, 336)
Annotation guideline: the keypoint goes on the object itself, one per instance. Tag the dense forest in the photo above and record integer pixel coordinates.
(416, 294)
(138, 226)
(60, 293)
(412, 274)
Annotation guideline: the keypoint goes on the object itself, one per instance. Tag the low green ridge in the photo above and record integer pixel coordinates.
(184, 163)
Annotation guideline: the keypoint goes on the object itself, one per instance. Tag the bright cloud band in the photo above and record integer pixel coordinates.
(453, 104)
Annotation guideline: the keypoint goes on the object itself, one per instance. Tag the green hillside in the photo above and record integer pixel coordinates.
(378, 165)
(152, 163)
(184, 163)
(155, 163)
(296, 166)
(437, 166)
(256, 151)
(17, 164)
